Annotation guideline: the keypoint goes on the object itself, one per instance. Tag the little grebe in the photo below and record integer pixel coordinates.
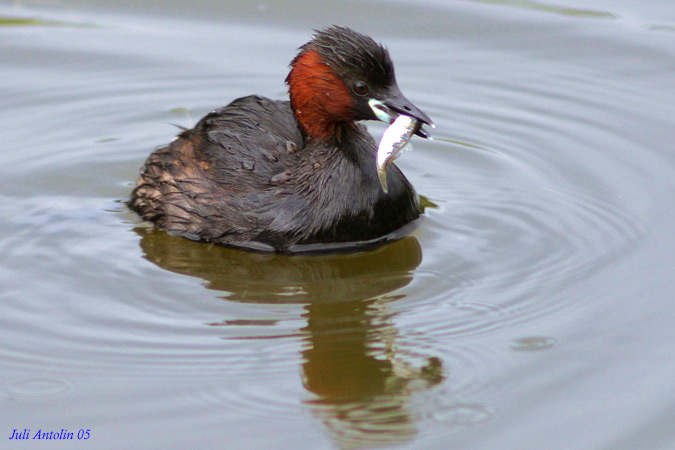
(285, 176)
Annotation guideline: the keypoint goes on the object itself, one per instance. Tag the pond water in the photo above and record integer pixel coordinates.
(532, 308)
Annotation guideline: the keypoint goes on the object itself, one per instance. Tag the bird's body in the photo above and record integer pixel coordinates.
(277, 175)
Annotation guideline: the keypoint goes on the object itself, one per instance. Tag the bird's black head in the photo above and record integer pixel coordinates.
(341, 76)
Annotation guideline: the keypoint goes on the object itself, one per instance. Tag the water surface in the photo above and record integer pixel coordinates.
(532, 307)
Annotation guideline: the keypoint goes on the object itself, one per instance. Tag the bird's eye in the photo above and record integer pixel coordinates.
(360, 88)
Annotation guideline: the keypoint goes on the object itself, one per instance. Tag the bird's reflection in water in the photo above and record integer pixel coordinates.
(360, 385)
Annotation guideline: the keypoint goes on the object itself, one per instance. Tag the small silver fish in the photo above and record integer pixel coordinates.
(394, 139)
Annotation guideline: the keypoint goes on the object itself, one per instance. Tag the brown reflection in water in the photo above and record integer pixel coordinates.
(360, 386)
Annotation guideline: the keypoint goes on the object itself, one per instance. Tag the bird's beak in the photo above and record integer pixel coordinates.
(394, 105)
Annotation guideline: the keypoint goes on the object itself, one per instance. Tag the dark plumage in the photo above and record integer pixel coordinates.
(351, 55)
(277, 175)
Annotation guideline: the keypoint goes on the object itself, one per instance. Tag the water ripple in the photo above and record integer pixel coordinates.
(545, 239)
(37, 387)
